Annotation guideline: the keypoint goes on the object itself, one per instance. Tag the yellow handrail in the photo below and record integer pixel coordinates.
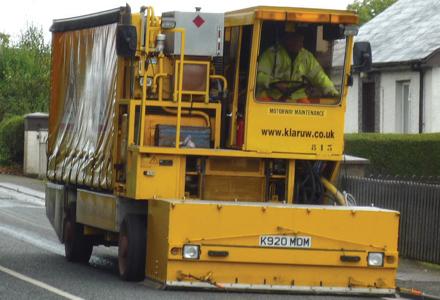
(180, 81)
(150, 15)
(222, 78)
(191, 112)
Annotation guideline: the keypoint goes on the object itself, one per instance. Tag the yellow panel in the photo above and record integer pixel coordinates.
(234, 167)
(247, 16)
(155, 176)
(96, 209)
(239, 19)
(237, 227)
(227, 153)
(271, 15)
(233, 188)
(294, 128)
(286, 275)
(157, 240)
(344, 19)
(308, 17)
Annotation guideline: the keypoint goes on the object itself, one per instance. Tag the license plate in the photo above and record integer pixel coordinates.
(285, 241)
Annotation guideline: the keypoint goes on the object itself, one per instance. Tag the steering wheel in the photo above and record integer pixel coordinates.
(292, 86)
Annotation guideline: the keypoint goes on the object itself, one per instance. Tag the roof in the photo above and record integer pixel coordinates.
(351, 159)
(37, 115)
(91, 20)
(293, 9)
(278, 13)
(409, 30)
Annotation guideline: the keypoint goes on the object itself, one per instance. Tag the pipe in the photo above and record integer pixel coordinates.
(180, 85)
(222, 78)
(131, 68)
(124, 138)
(150, 15)
(159, 76)
(418, 66)
(224, 126)
(421, 100)
(180, 81)
(142, 39)
(192, 112)
(156, 76)
(334, 191)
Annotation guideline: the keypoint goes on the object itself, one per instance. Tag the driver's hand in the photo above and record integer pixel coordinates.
(283, 87)
(313, 92)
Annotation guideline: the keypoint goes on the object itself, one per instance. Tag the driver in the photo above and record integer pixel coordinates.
(286, 69)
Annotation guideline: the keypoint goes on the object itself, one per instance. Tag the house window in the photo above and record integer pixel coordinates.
(403, 98)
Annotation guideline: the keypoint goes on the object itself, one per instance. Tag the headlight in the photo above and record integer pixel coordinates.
(191, 251)
(375, 259)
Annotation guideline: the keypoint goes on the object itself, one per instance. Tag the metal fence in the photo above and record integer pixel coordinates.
(419, 207)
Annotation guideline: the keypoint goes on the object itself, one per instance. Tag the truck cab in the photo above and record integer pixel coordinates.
(309, 128)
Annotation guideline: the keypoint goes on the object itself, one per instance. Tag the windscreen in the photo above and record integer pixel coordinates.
(296, 63)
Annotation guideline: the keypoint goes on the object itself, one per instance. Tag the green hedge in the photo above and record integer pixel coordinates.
(397, 154)
(12, 140)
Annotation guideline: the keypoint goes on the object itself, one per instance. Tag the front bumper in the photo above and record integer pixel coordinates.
(235, 228)
(316, 290)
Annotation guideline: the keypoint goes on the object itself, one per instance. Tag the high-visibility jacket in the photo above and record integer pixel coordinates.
(275, 65)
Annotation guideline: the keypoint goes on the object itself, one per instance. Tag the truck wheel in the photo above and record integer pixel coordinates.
(132, 248)
(77, 247)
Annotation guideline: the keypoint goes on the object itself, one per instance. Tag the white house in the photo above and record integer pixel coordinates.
(401, 94)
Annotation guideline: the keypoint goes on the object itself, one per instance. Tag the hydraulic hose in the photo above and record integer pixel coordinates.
(334, 191)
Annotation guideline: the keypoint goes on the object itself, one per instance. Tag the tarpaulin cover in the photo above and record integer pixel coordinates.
(84, 79)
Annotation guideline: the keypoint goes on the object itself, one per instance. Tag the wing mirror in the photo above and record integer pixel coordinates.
(362, 58)
(126, 40)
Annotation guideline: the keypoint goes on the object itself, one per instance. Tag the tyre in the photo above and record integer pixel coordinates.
(132, 248)
(77, 247)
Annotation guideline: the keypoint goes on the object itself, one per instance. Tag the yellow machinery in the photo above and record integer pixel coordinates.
(159, 143)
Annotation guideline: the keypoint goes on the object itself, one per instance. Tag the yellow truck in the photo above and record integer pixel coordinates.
(164, 142)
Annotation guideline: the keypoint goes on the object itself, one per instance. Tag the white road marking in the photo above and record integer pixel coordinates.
(39, 284)
(23, 190)
(21, 218)
(14, 205)
(18, 193)
(45, 244)
(33, 239)
(10, 197)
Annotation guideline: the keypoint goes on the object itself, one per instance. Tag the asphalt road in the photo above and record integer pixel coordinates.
(32, 263)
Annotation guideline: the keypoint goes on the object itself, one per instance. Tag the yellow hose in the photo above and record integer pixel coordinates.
(334, 191)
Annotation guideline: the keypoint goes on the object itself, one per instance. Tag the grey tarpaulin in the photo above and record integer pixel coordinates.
(84, 79)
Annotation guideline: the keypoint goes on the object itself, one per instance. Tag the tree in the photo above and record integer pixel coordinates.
(368, 9)
(24, 73)
(4, 39)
